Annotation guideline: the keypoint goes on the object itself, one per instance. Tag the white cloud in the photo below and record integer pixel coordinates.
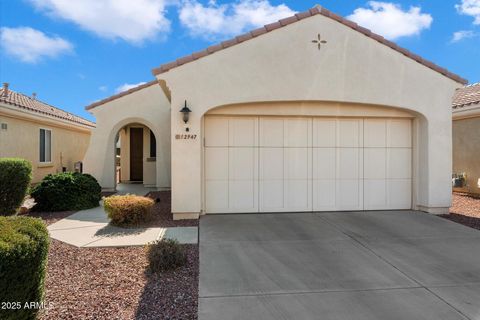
(132, 21)
(463, 34)
(128, 86)
(30, 45)
(390, 20)
(214, 21)
(103, 88)
(470, 8)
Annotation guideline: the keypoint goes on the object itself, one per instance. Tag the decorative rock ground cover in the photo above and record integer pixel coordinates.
(113, 283)
(465, 210)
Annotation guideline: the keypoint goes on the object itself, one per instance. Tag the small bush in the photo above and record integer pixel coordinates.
(15, 177)
(128, 210)
(66, 191)
(23, 259)
(166, 254)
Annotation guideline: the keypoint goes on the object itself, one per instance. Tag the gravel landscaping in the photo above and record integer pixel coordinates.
(465, 210)
(113, 283)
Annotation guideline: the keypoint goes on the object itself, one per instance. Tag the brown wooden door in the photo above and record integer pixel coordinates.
(136, 154)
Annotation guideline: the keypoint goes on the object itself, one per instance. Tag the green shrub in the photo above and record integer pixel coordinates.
(166, 254)
(128, 210)
(23, 260)
(15, 177)
(66, 191)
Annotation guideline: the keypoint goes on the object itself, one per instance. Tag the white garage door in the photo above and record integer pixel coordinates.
(275, 164)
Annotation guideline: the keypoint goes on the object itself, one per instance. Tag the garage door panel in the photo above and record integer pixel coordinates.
(324, 195)
(243, 196)
(302, 164)
(272, 195)
(216, 132)
(298, 132)
(349, 195)
(243, 132)
(399, 133)
(349, 133)
(298, 194)
(375, 133)
(271, 162)
(348, 163)
(324, 132)
(375, 194)
(375, 163)
(243, 163)
(216, 163)
(216, 195)
(399, 193)
(271, 132)
(324, 163)
(399, 163)
(297, 163)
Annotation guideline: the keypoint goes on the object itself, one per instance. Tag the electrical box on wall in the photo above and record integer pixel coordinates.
(4, 126)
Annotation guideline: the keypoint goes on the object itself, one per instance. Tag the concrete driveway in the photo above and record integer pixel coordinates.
(354, 265)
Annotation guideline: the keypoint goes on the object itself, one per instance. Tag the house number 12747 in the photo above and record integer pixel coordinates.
(185, 136)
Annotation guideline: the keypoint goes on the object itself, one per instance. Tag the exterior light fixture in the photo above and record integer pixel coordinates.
(186, 114)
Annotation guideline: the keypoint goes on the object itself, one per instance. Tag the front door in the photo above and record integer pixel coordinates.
(136, 154)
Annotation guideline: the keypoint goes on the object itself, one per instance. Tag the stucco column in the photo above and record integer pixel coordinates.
(439, 166)
(100, 158)
(186, 162)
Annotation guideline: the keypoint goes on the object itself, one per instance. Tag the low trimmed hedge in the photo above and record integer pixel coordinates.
(15, 177)
(128, 210)
(165, 254)
(24, 246)
(67, 191)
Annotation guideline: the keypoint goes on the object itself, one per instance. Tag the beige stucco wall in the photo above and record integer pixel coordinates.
(148, 107)
(284, 65)
(466, 149)
(21, 140)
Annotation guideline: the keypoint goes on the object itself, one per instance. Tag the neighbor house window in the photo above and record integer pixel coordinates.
(45, 145)
(153, 145)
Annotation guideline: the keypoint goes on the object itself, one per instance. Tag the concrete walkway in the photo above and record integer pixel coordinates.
(399, 265)
(90, 228)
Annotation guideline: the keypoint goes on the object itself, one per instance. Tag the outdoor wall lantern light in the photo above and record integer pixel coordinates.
(186, 113)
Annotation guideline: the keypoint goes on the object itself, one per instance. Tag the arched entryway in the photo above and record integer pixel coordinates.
(135, 155)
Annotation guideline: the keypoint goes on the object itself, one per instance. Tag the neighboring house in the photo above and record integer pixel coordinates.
(466, 136)
(311, 113)
(50, 138)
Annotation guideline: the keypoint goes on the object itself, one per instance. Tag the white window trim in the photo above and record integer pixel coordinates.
(51, 137)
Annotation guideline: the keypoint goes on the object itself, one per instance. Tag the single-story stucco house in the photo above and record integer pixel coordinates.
(53, 140)
(466, 137)
(310, 113)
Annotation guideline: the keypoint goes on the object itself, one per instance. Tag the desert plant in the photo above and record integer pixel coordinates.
(15, 177)
(23, 259)
(165, 254)
(128, 210)
(66, 191)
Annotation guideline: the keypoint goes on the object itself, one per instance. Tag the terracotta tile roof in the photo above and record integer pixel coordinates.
(467, 96)
(28, 103)
(121, 94)
(297, 17)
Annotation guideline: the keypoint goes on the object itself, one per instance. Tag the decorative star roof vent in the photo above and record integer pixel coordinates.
(319, 41)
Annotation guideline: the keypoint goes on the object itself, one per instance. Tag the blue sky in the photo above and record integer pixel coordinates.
(72, 53)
